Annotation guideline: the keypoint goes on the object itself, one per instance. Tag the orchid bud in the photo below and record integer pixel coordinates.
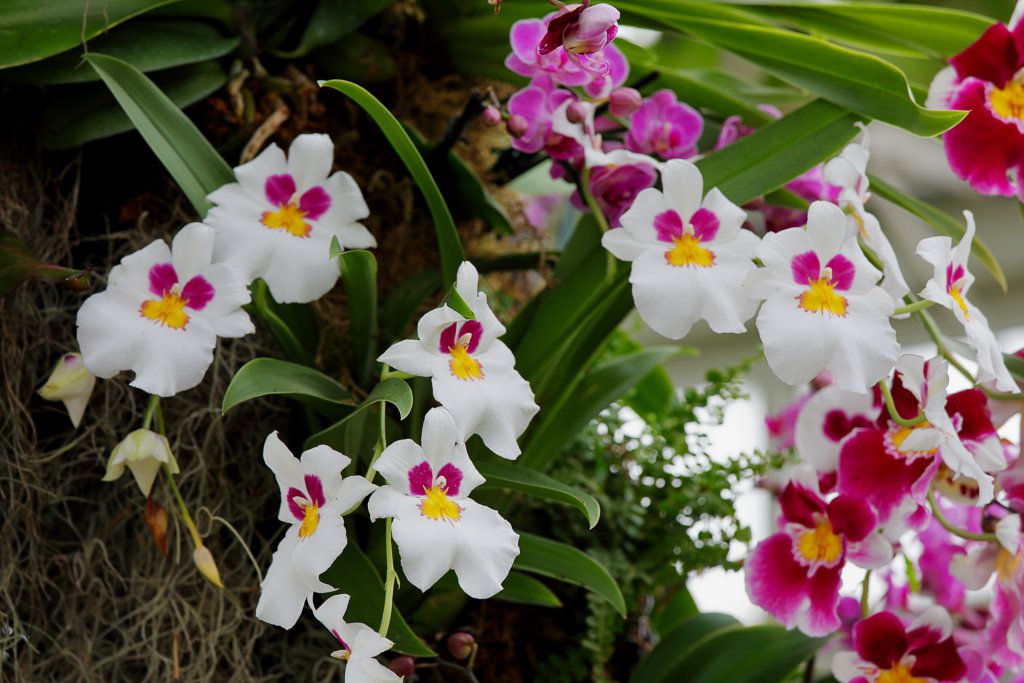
(624, 101)
(207, 567)
(491, 116)
(72, 383)
(576, 112)
(517, 125)
(461, 645)
(404, 666)
(143, 452)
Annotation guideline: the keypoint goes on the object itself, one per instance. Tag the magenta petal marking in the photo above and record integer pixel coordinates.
(940, 661)
(448, 338)
(475, 330)
(880, 639)
(993, 57)
(421, 478)
(453, 478)
(705, 224)
(800, 505)
(162, 277)
(953, 274)
(669, 225)
(842, 271)
(197, 293)
(868, 472)
(279, 189)
(806, 267)
(851, 517)
(315, 489)
(314, 202)
(344, 645)
(987, 171)
(297, 512)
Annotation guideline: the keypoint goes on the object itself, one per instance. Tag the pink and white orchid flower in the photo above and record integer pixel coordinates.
(359, 644)
(829, 416)
(436, 526)
(162, 312)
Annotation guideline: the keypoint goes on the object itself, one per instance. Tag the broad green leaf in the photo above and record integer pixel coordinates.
(332, 21)
(515, 477)
(358, 57)
(857, 81)
(674, 611)
(359, 276)
(272, 377)
(187, 155)
(527, 590)
(941, 221)
(565, 563)
(454, 301)
(78, 114)
(406, 299)
(284, 331)
(564, 420)
(661, 665)
(654, 392)
(447, 236)
(392, 390)
(145, 44)
(18, 263)
(769, 158)
(31, 30)
(1015, 365)
(353, 573)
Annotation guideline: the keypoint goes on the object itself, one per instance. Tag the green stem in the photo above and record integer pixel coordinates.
(389, 582)
(1000, 395)
(186, 517)
(584, 184)
(147, 419)
(952, 528)
(893, 413)
(919, 305)
(864, 587)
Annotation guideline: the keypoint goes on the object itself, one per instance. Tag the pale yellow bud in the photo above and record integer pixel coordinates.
(207, 567)
(72, 383)
(143, 452)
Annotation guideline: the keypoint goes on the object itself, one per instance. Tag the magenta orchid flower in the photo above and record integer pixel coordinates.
(286, 211)
(436, 526)
(616, 188)
(358, 644)
(665, 127)
(581, 31)
(162, 312)
(888, 652)
(829, 416)
(794, 575)
(537, 103)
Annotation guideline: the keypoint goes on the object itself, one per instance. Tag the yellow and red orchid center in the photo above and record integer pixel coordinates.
(956, 281)
(898, 674)
(1008, 101)
(898, 434)
(291, 214)
(174, 297)
(820, 545)
(687, 237)
(437, 491)
(823, 284)
(305, 505)
(460, 341)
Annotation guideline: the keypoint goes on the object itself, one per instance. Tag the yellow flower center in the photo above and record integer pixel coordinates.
(688, 252)
(436, 505)
(463, 365)
(901, 434)
(821, 544)
(1008, 102)
(288, 217)
(954, 292)
(821, 297)
(898, 674)
(310, 520)
(168, 310)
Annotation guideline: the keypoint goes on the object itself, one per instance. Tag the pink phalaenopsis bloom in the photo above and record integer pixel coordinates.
(987, 148)
(794, 575)
(614, 188)
(887, 652)
(664, 126)
(581, 30)
(536, 104)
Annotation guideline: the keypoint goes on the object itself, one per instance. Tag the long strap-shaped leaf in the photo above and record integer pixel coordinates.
(566, 563)
(447, 236)
(187, 155)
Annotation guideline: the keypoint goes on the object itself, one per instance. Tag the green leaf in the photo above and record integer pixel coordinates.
(354, 574)
(31, 30)
(406, 299)
(145, 44)
(514, 477)
(669, 614)
(1015, 365)
(272, 377)
(78, 114)
(941, 221)
(527, 590)
(359, 57)
(359, 276)
(392, 390)
(565, 563)
(578, 406)
(769, 158)
(332, 21)
(857, 81)
(270, 312)
(447, 236)
(662, 664)
(18, 263)
(175, 140)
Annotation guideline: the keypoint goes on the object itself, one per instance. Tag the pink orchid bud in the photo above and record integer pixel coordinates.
(517, 125)
(582, 30)
(576, 112)
(491, 116)
(404, 666)
(461, 645)
(624, 101)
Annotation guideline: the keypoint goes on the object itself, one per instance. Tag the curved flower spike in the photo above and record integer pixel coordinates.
(162, 312)
(949, 286)
(278, 220)
(359, 644)
(314, 496)
(690, 255)
(822, 310)
(436, 526)
(473, 373)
